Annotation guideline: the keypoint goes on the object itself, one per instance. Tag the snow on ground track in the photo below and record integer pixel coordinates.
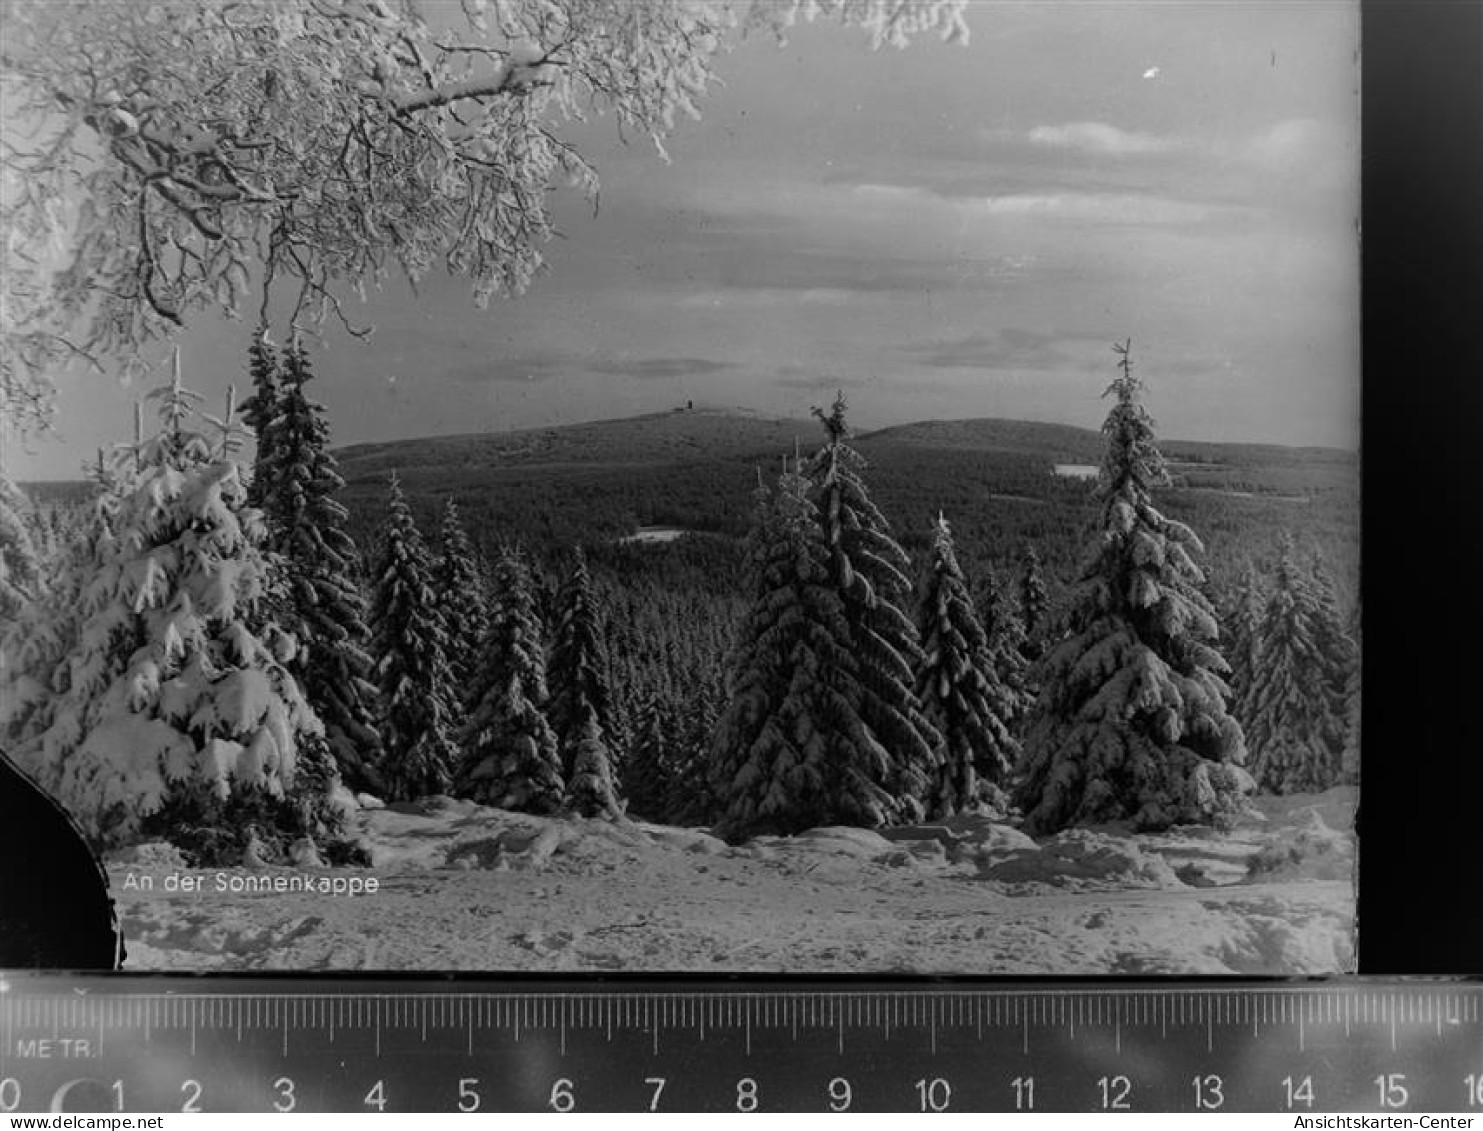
(464, 887)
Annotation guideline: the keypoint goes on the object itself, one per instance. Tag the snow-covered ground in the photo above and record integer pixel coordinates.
(1076, 470)
(465, 887)
(650, 535)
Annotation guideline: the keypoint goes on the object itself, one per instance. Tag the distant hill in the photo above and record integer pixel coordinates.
(681, 434)
(1064, 443)
(661, 437)
(696, 470)
(1057, 443)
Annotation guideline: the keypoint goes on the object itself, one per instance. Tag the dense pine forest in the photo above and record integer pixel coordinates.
(234, 628)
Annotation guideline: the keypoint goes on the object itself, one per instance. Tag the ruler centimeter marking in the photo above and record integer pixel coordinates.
(1353, 1044)
(270, 1004)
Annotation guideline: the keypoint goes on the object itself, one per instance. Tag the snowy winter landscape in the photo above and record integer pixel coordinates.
(468, 888)
(911, 526)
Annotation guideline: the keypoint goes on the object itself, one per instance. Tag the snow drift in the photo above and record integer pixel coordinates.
(463, 886)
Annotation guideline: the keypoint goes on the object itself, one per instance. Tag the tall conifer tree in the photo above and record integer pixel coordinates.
(461, 597)
(510, 755)
(577, 673)
(1131, 722)
(1295, 731)
(999, 614)
(20, 564)
(869, 571)
(38, 642)
(1336, 647)
(651, 765)
(960, 690)
(418, 695)
(297, 481)
(1034, 605)
(693, 725)
(689, 796)
(174, 712)
(591, 789)
(580, 697)
(1241, 619)
(260, 410)
(791, 751)
(1349, 760)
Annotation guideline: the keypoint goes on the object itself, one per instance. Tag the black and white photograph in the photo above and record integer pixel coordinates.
(681, 486)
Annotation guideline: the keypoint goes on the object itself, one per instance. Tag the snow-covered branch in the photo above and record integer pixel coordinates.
(321, 144)
(511, 78)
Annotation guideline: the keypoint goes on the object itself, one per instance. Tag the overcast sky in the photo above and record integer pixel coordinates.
(944, 231)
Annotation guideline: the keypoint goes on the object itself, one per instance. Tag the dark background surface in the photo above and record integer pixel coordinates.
(1421, 808)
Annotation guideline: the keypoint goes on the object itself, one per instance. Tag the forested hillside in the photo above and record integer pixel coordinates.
(596, 483)
(663, 619)
(695, 470)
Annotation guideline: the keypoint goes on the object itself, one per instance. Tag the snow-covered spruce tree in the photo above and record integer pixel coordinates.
(591, 790)
(38, 640)
(701, 714)
(418, 695)
(576, 672)
(1336, 648)
(580, 697)
(20, 564)
(260, 410)
(1034, 605)
(1295, 717)
(510, 755)
(1131, 722)
(690, 799)
(870, 572)
(696, 702)
(1241, 615)
(650, 765)
(175, 715)
(321, 603)
(791, 751)
(618, 726)
(48, 526)
(53, 527)
(960, 691)
(999, 615)
(1349, 760)
(461, 596)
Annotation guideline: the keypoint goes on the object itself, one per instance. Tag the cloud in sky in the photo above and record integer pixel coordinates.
(1292, 142)
(1281, 143)
(1013, 347)
(546, 365)
(853, 250)
(803, 378)
(511, 370)
(659, 367)
(1101, 139)
(1151, 209)
(912, 220)
(1120, 208)
(787, 289)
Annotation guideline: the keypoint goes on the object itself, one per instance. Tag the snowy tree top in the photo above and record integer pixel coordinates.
(835, 424)
(1132, 464)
